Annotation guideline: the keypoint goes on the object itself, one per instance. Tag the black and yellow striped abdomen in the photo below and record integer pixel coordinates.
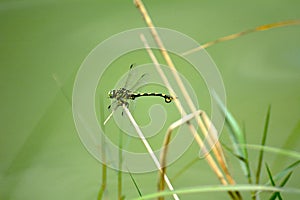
(167, 98)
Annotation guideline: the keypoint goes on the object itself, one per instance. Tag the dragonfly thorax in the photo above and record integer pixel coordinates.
(120, 94)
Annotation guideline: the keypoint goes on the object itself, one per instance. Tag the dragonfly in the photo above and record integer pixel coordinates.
(122, 95)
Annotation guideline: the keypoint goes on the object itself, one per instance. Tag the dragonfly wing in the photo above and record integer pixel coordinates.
(129, 76)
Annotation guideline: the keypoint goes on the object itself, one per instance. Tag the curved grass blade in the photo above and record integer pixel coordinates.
(283, 152)
(217, 188)
(246, 32)
(232, 152)
(237, 138)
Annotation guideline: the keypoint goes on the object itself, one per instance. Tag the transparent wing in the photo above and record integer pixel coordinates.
(129, 77)
(134, 80)
(139, 82)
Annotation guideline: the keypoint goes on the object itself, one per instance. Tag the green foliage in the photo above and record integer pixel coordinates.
(285, 172)
(277, 194)
(135, 184)
(212, 188)
(263, 142)
(237, 138)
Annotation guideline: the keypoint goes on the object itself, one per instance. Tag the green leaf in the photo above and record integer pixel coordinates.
(263, 142)
(276, 194)
(284, 152)
(233, 153)
(135, 184)
(214, 188)
(282, 184)
(285, 180)
(237, 138)
(285, 171)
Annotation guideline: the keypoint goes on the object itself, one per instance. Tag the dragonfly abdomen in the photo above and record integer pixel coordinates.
(167, 98)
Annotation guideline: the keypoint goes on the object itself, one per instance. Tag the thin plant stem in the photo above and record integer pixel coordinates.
(218, 150)
(166, 142)
(242, 33)
(103, 184)
(261, 152)
(149, 149)
(263, 142)
(277, 151)
(110, 115)
(120, 197)
(104, 168)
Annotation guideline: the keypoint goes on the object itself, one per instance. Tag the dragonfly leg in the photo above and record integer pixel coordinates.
(126, 104)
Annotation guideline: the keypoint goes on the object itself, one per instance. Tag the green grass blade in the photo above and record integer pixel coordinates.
(135, 184)
(276, 194)
(236, 133)
(285, 180)
(185, 168)
(217, 188)
(263, 142)
(61, 88)
(120, 162)
(233, 153)
(104, 167)
(103, 185)
(285, 171)
(284, 152)
(237, 137)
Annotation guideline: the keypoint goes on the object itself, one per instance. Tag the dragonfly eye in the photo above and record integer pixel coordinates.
(111, 94)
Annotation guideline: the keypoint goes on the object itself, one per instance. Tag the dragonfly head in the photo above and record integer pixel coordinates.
(112, 94)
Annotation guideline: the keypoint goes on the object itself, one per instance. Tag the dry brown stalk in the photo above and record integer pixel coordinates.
(166, 142)
(242, 33)
(217, 150)
(208, 157)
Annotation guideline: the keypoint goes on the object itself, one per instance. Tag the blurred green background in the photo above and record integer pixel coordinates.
(41, 156)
